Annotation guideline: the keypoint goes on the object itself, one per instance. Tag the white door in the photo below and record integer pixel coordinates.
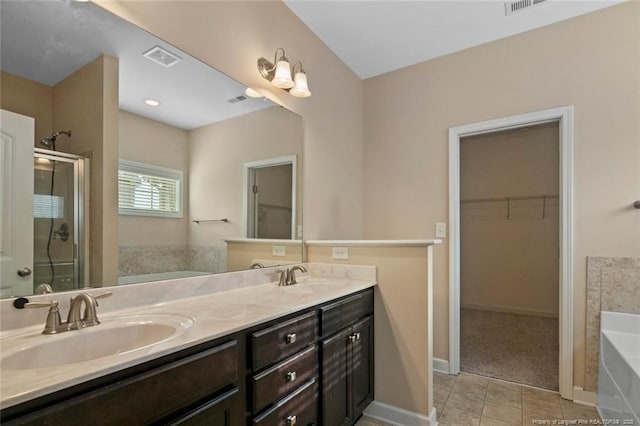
(16, 204)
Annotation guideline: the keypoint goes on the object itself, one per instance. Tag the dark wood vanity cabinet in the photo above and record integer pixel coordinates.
(347, 359)
(284, 390)
(179, 388)
(308, 368)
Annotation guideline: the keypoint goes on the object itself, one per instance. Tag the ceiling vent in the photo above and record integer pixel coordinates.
(162, 56)
(517, 6)
(237, 99)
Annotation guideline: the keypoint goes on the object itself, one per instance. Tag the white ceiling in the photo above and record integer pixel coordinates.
(46, 41)
(374, 37)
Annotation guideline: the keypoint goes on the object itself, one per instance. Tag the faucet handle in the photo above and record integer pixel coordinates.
(102, 296)
(54, 322)
(33, 305)
(282, 281)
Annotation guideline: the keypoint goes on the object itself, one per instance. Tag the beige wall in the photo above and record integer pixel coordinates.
(87, 103)
(403, 369)
(217, 154)
(151, 142)
(237, 33)
(591, 62)
(28, 98)
(241, 255)
(510, 263)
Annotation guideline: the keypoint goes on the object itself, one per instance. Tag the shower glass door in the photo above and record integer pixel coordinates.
(58, 220)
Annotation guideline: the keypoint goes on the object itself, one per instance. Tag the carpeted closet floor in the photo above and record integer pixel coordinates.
(517, 348)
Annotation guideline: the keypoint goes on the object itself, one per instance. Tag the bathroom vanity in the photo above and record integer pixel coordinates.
(261, 355)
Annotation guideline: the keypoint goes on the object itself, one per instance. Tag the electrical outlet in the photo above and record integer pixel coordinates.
(339, 252)
(299, 231)
(441, 230)
(278, 250)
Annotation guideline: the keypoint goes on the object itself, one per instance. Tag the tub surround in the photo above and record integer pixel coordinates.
(151, 259)
(619, 373)
(219, 305)
(613, 284)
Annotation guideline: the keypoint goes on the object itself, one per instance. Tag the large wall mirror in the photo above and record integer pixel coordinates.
(125, 160)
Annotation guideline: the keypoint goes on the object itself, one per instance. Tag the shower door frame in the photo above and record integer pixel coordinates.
(81, 198)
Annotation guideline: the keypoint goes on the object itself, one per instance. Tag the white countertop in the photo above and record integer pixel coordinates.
(214, 315)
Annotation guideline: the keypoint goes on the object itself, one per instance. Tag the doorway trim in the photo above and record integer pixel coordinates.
(246, 190)
(564, 117)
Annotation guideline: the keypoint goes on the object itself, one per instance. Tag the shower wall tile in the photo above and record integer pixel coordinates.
(613, 284)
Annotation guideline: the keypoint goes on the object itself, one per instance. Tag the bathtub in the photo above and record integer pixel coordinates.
(160, 276)
(619, 372)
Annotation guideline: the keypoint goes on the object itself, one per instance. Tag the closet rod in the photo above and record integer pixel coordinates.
(527, 197)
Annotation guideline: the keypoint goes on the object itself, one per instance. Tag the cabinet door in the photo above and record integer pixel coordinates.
(222, 411)
(336, 403)
(361, 364)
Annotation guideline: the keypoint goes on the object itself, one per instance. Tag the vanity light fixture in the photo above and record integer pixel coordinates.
(280, 74)
(152, 102)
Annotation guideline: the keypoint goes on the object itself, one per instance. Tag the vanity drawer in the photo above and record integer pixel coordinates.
(149, 396)
(300, 409)
(277, 381)
(275, 343)
(344, 313)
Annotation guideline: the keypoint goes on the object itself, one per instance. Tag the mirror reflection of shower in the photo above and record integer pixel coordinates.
(59, 196)
(50, 141)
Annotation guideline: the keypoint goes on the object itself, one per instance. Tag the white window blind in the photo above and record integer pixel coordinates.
(48, 206)
(148, 190)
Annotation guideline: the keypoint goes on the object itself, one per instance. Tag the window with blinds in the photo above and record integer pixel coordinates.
(148, 190)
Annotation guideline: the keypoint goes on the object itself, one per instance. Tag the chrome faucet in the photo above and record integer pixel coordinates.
(75, 321)
(288, 277)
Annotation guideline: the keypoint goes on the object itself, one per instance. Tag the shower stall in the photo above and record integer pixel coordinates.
(60, 225)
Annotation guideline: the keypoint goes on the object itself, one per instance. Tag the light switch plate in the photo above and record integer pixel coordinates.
(441, 230)
(339, 252)
(278, 250)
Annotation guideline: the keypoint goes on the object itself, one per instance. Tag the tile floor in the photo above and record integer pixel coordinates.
(470, 400)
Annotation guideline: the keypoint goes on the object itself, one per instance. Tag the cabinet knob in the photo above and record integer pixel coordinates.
(357, 337)
(291, 338)
(291, 376)
(291, 420)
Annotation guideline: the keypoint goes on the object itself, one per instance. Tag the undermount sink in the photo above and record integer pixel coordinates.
(114, 336)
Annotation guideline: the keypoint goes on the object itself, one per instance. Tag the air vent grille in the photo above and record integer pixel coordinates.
(237, 99)
(520, 5)
(162, 56)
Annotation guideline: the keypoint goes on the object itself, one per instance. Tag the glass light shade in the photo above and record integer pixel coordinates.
(252, 93)
(301, 87)
(282, 78)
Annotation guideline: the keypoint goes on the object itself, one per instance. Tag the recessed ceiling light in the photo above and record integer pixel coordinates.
(252, 93)
(152, 102)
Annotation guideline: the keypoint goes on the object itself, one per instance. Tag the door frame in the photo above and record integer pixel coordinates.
(248, 168)
(564, 117)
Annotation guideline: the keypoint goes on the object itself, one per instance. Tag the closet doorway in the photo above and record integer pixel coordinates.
(509, 238)
(562, 119)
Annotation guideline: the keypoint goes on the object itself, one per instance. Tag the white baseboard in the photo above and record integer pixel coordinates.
(581, 396)
(441, 365)
(397, 416)
(509, 310)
